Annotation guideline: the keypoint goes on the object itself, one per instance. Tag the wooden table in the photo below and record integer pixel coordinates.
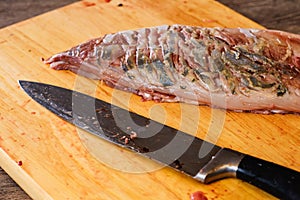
(281, 14)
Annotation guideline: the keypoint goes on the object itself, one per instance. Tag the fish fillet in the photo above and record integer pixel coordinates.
(244, 70)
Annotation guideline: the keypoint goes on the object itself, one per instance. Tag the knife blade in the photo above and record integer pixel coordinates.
(197, 158)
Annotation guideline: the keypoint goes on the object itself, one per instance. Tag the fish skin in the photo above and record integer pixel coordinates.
(244, 70)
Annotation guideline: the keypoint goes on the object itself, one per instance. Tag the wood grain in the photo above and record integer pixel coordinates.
(273, 14)
(18, 10)
(31, 34)
(11, 13)
(8, 188)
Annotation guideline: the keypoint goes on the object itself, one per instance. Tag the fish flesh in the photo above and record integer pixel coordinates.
(244, 70)
(236, 69)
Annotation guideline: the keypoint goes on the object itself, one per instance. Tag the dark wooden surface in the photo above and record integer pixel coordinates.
(273, 14)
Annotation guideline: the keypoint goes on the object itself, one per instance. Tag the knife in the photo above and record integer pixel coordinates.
(197, 158)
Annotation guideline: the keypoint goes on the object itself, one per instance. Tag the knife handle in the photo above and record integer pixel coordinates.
(277, 180)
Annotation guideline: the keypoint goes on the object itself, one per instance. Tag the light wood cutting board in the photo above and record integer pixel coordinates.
(60, 162)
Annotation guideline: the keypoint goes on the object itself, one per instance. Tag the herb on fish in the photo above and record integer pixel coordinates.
(185, 72)
(125, 68)
(130, 76)
(164, 79)
(130, 62)
(281, 90)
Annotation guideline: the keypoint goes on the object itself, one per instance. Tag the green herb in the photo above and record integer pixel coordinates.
(185, 72)
(281, 90)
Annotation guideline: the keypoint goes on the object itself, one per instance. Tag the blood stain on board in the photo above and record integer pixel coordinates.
(209, 20)
(20, 163)
(88, 4)
(198, 196)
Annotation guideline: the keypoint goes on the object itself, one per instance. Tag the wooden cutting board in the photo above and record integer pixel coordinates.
(51, 159)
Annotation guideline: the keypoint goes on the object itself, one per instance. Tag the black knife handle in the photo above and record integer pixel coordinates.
(277, 180)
